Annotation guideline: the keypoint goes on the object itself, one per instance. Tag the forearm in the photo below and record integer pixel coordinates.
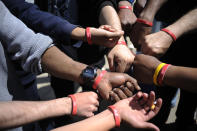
(185, 24)
(60, 65)
(151, 8)
(109, 16)
(17, 113)
(102, 122)
(181, 77)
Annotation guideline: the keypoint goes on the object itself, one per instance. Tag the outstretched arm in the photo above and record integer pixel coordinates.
(185, 24)
(176, 76)
(140, 30)
(119, 57)
(158, 43)
(17, 113)
(135, 111)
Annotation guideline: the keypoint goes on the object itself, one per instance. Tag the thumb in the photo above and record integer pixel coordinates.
(150, 126)
(111, 62)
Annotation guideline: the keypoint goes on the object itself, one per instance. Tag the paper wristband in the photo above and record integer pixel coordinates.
(125, 7)
(88, 36)
(98, 79)
(169, 33)
(121, 43)
(162, 74)
(74, 104)
(159, 67)
(116, 115)
(145, 22)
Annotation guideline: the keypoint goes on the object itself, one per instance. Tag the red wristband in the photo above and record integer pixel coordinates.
(169, 33)
(88, 36)
(98, 79)
(116, 115)
(145, 22)
(125, 7)
(74, 104)
(162, 74)
(121, 43)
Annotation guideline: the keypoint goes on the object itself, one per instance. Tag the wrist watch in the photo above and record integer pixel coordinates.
(88, 75)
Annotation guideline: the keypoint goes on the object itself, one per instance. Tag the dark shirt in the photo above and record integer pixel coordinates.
(44, 22)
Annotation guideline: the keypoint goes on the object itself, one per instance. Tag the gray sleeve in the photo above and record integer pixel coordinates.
(21, 43)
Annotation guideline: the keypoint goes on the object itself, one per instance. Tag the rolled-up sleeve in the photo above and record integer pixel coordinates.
(21, 43)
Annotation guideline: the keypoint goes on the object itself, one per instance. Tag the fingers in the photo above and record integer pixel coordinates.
(137, 96)
(120, 93)
(107, 27)
(153, 112)
(144, 99)
(114, 96)
(126, 91)
(132, 81)
(158, 105)
(130, 86)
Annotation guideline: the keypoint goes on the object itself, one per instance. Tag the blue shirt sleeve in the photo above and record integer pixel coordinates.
(40, 21)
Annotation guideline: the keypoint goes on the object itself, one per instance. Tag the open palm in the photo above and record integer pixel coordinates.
(136, 110)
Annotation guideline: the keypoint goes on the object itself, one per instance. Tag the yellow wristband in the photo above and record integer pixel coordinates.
(159, 67)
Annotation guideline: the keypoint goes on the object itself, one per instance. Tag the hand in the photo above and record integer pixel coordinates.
(121, 93)
(144, 67)
(136, 110)
(156, 44)
(127, 19)
(120, 58)
(105, 36)
(87, 103)
(112, 80)
(138, 34)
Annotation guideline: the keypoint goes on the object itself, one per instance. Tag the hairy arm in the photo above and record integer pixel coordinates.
(18, 113)
(151, 8)
(181, 77)
(60, 65)
(185, 24)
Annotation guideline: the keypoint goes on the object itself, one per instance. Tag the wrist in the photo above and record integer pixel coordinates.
(63, 106)
(170, 33)
(78, 34)
(177, 31)
(99, 77)
(116, 115)
(145, 22)
(88, 35)
(74, 104)
(146, 16)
